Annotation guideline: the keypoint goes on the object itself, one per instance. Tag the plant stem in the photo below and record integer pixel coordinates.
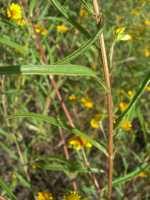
(108, 97)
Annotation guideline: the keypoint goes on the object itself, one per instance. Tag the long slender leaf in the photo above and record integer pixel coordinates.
(23, 181)
(59, 123)
(130, 175)
(134, 99)
(58, 69)
(62, 10)
(32, 7)
(6, 188)
(39, 117)
(6, 40)
(65, 70)
(88, 6)
(84, 47)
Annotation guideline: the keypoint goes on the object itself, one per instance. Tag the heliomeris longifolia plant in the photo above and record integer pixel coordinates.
(73, 106)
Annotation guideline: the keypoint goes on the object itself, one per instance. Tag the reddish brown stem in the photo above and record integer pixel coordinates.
(108, 97)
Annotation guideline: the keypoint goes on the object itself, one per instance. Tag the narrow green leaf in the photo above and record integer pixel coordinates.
(6, 188)
(23, 181)
(65, 70)
(88, 6)
(6, 40)
(62, 10)
(59, 123)
(31, 7)
(39, 117)
(96, 144)
(130, 175)
(84, 47)
(134, 99)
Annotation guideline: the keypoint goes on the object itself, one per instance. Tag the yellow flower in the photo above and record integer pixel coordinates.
(87, 103)
(126, 125)
(21, 22)
(143, 174)
(119, 18)
(147, 22)
(135, 12)
(45, 196)
(72, 196)
(146, 52)
(147, 88)
(130, 93)
(14, 11)
(78, 143)
(95, 122)
(83, 12)
(121, 35)
(120, 30)
(123, 106)
(72, 98)
(62, 28)
(126, 37)
(40, 29)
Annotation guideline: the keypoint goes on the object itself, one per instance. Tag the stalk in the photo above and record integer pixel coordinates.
(103, 54)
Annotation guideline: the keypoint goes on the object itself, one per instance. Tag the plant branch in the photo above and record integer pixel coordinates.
(109, 98)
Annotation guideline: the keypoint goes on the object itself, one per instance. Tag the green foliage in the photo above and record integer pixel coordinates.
(59, 43)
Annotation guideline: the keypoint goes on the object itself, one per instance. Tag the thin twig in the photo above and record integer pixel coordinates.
(109, 98)
(54, 84)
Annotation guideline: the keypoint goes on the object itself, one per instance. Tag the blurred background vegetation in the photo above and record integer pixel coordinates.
(32, 158)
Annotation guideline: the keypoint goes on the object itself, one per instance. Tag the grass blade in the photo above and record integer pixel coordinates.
(5, 188)
(88, 6)
(64, 70)
(6, 40)
(84, 47)
(130, 175)
(62, 10)
(59, 123)
(134, 100)
(39, 117)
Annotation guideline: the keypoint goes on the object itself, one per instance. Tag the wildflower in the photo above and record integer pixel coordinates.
(14, 11)
(130, 93)
(95, 122)
(126, 125)
(83, 12)
(72, 196)
(62, 28)
(119, 18)
(35, 166)
(78, 143)
(123, 106)
(143, 174)
(135, 12)
(87, 103)
(21, 22)
(72, 98)
(120, 30)
(146, 52)
(126, 37)
(121, 35)
(45, 196)
(40, 29)
(147, 88)
(147, 22)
